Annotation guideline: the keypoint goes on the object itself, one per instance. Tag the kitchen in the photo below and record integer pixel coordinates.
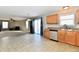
(63, 25)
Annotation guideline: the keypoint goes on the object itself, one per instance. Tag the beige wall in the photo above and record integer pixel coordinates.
(21, 23)
(59, 12)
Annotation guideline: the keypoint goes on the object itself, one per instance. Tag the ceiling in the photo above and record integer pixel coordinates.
(21, 12)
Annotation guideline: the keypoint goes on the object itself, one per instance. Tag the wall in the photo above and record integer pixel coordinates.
(59, 12)
(21, 23)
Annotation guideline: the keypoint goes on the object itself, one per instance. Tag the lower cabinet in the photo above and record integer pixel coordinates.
(47, 33)
(70, 37)
(67, 37)
(77, 39)
(61, 35)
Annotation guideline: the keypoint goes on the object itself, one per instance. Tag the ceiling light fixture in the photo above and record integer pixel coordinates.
(65, 7)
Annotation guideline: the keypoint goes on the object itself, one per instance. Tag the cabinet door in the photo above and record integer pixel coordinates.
(61, 35)
(70, 37)
(77, 16)
(77, 38)
(46, 33)
(52, 19)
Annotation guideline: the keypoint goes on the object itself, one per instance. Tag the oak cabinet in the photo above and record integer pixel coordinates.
(52, 19)
(47, 33)
(61, 35)
(77, 38)
(77, 16)
(70, 37)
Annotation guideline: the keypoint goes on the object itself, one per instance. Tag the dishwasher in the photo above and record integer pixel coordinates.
(53, 35)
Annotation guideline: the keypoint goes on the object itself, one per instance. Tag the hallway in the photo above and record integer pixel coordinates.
(13, 41)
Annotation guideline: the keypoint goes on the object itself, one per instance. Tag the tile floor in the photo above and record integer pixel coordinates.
(16, 41)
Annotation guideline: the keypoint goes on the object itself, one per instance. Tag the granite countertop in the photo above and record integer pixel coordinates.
(58, 28)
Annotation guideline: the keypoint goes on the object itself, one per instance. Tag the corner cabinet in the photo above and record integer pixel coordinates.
(52, 19)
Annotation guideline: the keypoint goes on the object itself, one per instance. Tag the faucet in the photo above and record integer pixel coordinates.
(65, 26)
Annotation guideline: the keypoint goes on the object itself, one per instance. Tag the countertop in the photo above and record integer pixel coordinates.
(57, 28)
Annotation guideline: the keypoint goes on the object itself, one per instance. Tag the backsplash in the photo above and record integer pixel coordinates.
(54, 25)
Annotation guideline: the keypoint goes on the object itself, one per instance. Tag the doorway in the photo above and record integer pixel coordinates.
(37, 26)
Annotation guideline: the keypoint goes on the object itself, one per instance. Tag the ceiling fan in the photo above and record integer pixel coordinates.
(12, 20)
(28, 17)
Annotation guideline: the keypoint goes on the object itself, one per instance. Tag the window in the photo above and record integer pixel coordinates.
(27, 24)
(68, 19)
(4, 25)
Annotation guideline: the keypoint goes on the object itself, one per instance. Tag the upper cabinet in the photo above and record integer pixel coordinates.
(77, 16)
(52, 19)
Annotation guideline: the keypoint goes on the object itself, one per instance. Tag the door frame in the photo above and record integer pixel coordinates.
(32, 26)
